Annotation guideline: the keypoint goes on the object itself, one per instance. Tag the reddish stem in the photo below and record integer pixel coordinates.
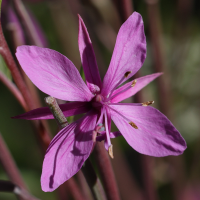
(146, 162)
(14, 90)
(106, 172)
(11, 169)
(158, 55)
(125, 8)
(131, 188)
(9, 165)
(83, 185)
(26, 20)
(165, 95)
(74, 189)
(6, 54)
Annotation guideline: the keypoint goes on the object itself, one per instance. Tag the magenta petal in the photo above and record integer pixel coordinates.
(155, 136)
(87, 56)
(68, 109)
(129, 53)
(67, 152)
(53, 73)
(123, 93)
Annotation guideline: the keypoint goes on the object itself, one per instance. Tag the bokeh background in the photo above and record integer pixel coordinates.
(172, 29)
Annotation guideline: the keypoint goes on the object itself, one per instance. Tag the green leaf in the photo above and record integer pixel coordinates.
(82, 73)
(4, 69)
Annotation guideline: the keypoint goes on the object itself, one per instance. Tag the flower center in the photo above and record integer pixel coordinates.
(99, 98)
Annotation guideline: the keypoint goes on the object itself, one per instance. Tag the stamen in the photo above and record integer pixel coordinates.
(119, 83)
(129, 86)
(127, 73)
(110, 151)
(147, 103)
(133, 83)
(133, 125)
(93, 88)
(107, 126)
(126, 119)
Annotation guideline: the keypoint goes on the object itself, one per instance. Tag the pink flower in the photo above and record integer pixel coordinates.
(145, 129)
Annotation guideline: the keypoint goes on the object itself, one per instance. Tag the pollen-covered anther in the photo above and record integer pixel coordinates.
(147, 103)
(133, 83)
(133, 125)
(127, 73)
(93, 88)
(110, 151)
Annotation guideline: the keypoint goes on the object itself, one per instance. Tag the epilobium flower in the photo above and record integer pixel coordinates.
(146, 129)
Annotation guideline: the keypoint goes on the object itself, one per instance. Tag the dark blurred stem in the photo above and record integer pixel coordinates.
(8, 186)
(84, 186)
(6, 54)
(93, 181)
(27, 25)
(14, 90)
(163, 87)
(125, 8)
(34, 38)
(9, 165)
(184, 10)
(73, 188)
(87, 168)
(130, 190)
(17, 41)
(26, 20)
(13, 174)
(106, 172)
(146, 163)
(9, 60)
(158, 55)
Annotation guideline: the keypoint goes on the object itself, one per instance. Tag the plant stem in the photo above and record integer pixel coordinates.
(88, 170)
(93, 181)
(26, 20)
(7, 186)
(106, 172)
(165, 95)
(14, 90)
(125, 8)
(13, 173)
(9, 165)
(6, 54)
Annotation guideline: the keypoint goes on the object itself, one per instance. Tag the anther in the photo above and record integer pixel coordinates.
(147, 103)
(93, 88)
(127, 73)
(133, 83)
(110, 151)
(133, 125)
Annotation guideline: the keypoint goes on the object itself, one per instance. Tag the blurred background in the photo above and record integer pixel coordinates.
(172, 29)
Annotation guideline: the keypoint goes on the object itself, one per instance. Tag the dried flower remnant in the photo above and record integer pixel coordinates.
(145, 129)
